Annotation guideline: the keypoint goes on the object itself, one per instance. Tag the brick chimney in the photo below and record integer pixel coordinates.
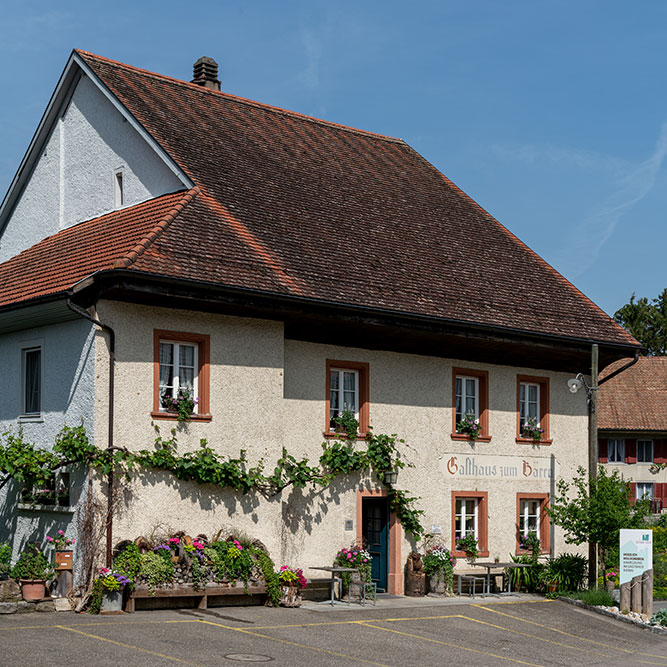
(205, 72)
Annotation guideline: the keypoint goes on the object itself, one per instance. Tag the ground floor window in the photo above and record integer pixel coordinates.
(470, 517)
(644, 490)
(532, 518)
(52, 491)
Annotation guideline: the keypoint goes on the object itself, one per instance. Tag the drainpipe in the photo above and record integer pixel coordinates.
(112, 360)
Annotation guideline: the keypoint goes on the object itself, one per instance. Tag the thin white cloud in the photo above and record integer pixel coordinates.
(310, 76)
(595, 230)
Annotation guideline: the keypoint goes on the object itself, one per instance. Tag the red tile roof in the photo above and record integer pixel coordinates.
(636, 399)
(59, 261)
(300, 206)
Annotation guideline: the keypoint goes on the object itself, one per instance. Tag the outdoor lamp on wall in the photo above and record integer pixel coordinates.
(391, 476)
(579, 382)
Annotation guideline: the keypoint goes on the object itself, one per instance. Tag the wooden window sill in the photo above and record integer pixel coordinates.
(465, 436)
(173, 416)
(528, 552)
(530, 441)
(328, 435)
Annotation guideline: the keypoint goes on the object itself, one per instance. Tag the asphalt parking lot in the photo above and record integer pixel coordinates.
(526, 632)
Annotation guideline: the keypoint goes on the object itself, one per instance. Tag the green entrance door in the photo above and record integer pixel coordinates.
(375, 530)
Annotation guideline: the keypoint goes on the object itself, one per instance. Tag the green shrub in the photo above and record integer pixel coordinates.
(5, 558)
(32, 564)
(660, 617)
(157, 570)
(570, 571)
(531, 577)
(128, 562)
(660, 593)
(594, 597)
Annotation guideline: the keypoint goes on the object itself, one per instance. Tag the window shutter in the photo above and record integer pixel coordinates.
(603, 456)
(660, 451)
(631, 451)
(633, 493)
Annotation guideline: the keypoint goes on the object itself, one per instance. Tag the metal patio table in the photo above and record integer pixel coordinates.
(335, 569)
(490, 566)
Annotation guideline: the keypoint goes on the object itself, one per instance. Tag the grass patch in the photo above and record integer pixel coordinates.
(595, 597)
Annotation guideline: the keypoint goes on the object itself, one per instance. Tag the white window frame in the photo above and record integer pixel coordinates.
(176, 360)
(648, 490)
(462, 513)
(525, 514)
(646, 459)
(463, 395)
(618, 447)
(25, 347)
(341, 384)
(524, 403)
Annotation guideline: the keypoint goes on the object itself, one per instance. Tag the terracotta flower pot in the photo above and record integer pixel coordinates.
(33, 589)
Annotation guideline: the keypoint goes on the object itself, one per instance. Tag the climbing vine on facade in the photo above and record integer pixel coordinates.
(31, 465)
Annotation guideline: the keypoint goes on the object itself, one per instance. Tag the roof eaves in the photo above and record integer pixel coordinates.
(134, 253)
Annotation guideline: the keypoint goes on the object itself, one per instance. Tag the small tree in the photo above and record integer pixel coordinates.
(646, 321)
(597, 511)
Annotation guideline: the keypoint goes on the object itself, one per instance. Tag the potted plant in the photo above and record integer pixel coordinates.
(530, 429)
(470, 426)
(610, 581)
(183, 404)
(5, 561)
(292, 582)
(63, 553)
(469, 546)
(550, 578)
(32, 569)
(359, 559)
(113, 585)
(439, 568)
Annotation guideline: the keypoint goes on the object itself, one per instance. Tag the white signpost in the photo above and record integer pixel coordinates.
(636, 556)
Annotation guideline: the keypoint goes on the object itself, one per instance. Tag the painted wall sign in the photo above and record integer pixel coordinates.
(497, 467)
(636, 553)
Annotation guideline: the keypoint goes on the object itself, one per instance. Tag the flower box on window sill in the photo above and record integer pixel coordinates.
(466, 436)
(482, 553)
(530, 441)
(330, 435)
(528, 552)
(174, 417)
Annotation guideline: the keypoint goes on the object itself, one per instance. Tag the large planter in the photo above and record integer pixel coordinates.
(609, 585)
(291, 596)
(33, 590)
(353, 591)
(63, 560)
(112, 602)
(437, 586)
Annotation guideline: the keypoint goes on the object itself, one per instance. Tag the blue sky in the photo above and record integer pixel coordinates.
(553, 116)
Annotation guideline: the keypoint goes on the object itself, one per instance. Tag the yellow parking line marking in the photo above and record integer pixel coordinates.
(462, 648)
(136, 648)
(548, 641)
(569, 634)
(327, 623)
(291, 643)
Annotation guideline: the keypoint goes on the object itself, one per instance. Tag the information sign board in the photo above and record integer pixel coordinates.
(636, 553)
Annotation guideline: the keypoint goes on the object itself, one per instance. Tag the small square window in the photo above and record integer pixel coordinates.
(54, 491)
(644, 490)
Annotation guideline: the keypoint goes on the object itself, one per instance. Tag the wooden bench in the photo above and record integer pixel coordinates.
(200, 595)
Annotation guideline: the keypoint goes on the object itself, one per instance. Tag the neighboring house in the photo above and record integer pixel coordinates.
(632, 427)
(281, 267)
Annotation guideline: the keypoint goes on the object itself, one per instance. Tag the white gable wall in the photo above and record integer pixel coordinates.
(73, 179)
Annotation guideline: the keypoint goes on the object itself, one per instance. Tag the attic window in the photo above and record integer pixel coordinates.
(118, 189)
